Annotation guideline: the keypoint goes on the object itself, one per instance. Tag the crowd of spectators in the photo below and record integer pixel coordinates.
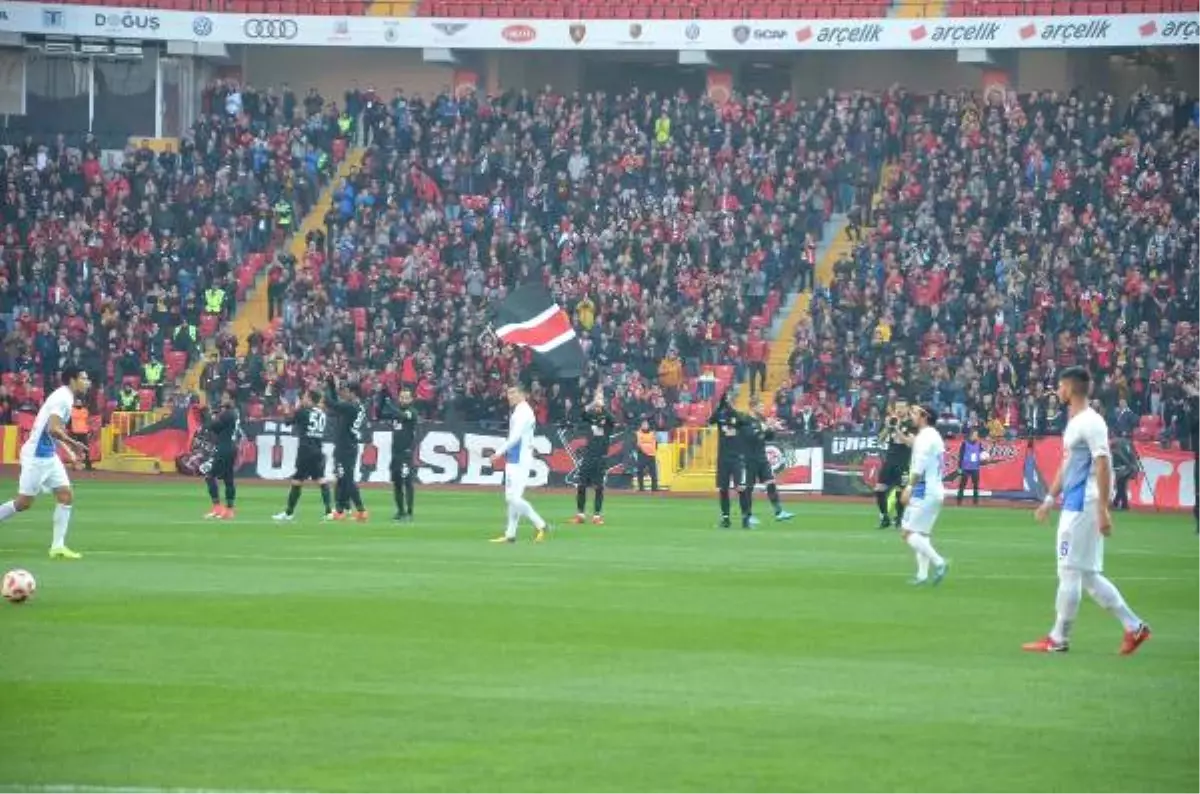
(114, 265)
(669, 229)
(1014, 237)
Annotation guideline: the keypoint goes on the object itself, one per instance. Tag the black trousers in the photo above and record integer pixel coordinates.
(973, 476)
(647, 464)
(1121, 492)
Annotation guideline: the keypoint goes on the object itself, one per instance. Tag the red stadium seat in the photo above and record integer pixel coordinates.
(146, 398)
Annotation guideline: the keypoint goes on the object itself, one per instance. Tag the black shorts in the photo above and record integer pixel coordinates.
(731, 473)
(344, 463)
(893, 474)
(592, 472)
(310, 465)
(221, 466)
(402, 469)
(758, 471)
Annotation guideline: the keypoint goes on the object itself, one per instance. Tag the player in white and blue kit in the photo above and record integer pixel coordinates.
(42, 469)
(1085, 481)
(517, 454)
(923, 496)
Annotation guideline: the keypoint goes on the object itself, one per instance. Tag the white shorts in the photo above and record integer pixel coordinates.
(515, 480)
(42, 475)
(1080, 545)
(921, 514)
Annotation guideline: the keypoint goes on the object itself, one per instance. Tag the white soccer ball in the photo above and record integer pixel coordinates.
(18, 585)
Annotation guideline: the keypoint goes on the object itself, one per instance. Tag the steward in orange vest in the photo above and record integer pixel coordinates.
(647, 460)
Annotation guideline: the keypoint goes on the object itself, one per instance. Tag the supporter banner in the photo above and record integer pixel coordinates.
(151, 24)
(796, 465)
(853, 462)
(445, 454)
(1165, 478)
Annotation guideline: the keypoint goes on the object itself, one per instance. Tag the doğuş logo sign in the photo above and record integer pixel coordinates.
(519, 34)
(127, 22)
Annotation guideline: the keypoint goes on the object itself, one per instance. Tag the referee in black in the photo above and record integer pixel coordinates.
(897, 434)
(402, 416)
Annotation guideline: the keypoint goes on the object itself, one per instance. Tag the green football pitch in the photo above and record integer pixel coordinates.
(656, 653)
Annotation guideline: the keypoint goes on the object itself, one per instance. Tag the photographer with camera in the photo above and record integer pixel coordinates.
(898, 434)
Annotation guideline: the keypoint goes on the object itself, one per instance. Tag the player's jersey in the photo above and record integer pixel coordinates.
(1084, 440)
(518, 448)
(352, 422)
(40, 443)
(899, 455)
(404, 431)
(600, 425)
(755, 435)
(925, 476)
(309, 425)
(226, 428)
(729, 432)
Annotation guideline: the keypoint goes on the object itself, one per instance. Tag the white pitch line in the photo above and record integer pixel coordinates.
(82, 788)
(613, 567)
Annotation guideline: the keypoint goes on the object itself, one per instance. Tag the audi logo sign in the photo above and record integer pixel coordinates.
(519, 34)
(271, 29)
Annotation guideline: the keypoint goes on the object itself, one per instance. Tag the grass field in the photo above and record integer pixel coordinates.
(656, 653)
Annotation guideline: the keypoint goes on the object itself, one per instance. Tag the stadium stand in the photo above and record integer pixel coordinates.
(1012, 240)
(129, 269)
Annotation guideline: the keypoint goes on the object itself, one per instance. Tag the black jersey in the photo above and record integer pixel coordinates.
(600, 425)
(755, 435)
(729, 425)
(899, 454)
(403, 419)
(226, 428)
(309, 425)
(351, 424)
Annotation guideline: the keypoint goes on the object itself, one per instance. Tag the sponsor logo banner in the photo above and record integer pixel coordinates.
(853, 463)
(1126, 30)
(1164, 478)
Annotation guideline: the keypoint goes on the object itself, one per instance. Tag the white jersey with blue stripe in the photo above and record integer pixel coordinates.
(40, 443)
(518, 448)
(925, 473)
(1084, 440)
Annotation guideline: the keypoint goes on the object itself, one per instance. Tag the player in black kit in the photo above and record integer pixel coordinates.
(309, 425)
(403, 417)
(731, 468)
(344, 401)
(226, 429)
(897, 433)
(755, 435)
(593, 469)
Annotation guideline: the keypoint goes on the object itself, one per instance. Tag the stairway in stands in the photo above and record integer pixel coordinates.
(392, 8)
(697, 476)
(253, 314)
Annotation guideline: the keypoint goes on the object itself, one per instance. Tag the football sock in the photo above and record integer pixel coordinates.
(356, 498)
(510, 530)
(62, 517)
(725, 502)
(213, 493)
(773, 496)
(881, 500)
(922, 559)
(921, 544)
(410, 490)
(325, 496)
(581, 499)
(398, 495)
(599, 501)
(8, 510)
(293, 499)
(230, 493)
(525, 509)
(1066, 604)
(899, 506)
(745, 501)
(1106, 594)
